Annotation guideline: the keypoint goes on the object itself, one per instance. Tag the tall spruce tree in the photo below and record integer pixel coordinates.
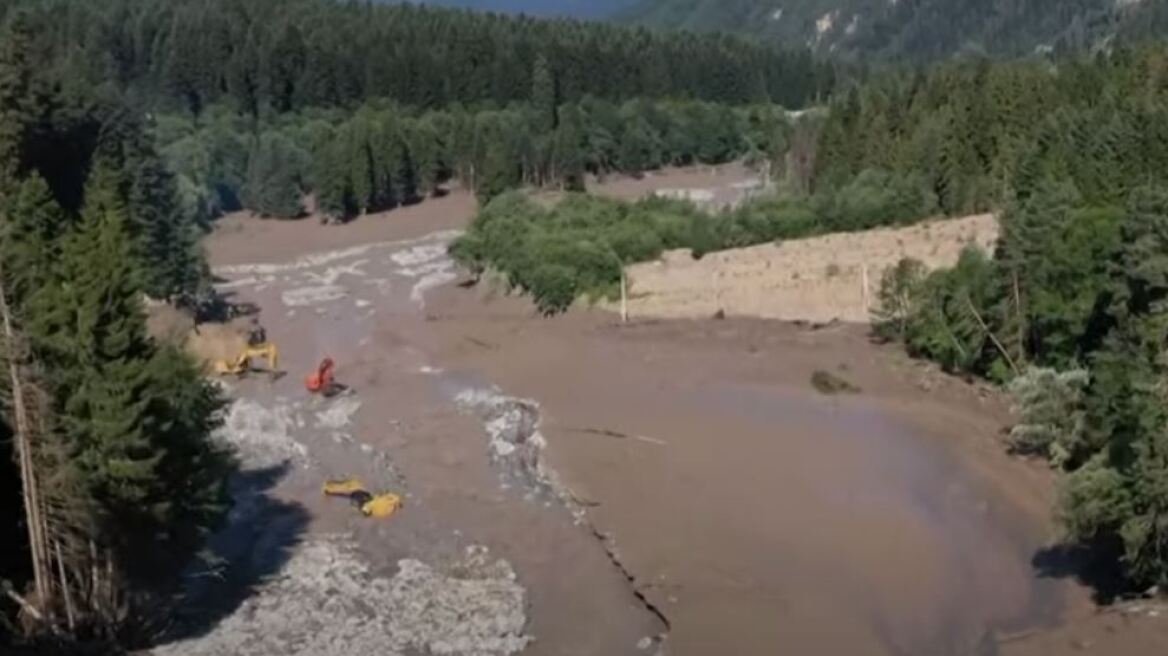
(124, 405)
(273, 182)
(28, 247)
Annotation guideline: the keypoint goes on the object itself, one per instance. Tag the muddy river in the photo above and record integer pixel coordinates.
(672, 487)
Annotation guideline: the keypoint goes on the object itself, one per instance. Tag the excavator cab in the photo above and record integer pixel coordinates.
(241, 364)
(322, 381)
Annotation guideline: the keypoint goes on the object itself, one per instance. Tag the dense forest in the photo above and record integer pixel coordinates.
(105, 432)
(382, 156)
(283, 107)
(916, 30)
(1071, 307)
(282, 55)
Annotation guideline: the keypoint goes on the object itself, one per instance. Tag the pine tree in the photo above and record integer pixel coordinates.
(567, 151)
(273, 186)
(15, 91)
(425, 147)
(28, 245)
(334, 197)
(359, 163)
(638, 150)
(167, 237)
(125, 407)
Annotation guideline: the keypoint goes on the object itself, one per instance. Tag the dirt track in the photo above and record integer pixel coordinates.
(686, 462)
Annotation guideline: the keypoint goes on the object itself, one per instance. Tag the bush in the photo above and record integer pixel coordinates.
(944, 325)
(900, 290)
(553, 287)
(1050, 411)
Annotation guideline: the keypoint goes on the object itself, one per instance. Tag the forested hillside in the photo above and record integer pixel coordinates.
(915, 29)
(594, 9)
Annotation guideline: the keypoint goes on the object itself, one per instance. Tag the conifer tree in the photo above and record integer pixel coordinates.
(124, 407)
(273, 186)
(28, 246)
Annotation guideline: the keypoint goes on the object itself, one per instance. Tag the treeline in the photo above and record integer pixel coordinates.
(982, 133)
(919, 30)
(578, 247)
(1073, 306)
(384, 155)
(108, 481)
(279, 56)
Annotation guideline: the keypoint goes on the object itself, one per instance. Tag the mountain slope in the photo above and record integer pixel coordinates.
(917, 29)
(542, 8)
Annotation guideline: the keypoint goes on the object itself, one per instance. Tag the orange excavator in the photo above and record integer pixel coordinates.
(322, 381)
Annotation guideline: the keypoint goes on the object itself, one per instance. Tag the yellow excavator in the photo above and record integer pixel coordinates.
(378, 505)
(241, 364)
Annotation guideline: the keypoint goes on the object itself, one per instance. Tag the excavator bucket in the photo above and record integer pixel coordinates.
(381, 505)
(342, 487)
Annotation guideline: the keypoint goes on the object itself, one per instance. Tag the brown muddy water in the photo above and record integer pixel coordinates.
(882, 521)
(677, 477)
(756, 514)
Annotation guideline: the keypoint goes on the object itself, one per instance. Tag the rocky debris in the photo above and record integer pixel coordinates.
(312, 295)
(327, 602)
(316, 260)
(260, 436)
(515, 443)
(339, 413)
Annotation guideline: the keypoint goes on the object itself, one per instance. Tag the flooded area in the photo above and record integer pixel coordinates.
(580, 486)
(756, 512)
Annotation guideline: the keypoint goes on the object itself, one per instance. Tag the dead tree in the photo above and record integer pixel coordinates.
(23, 428)
(73, 579)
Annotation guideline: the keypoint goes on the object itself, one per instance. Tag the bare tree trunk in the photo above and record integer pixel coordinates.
(38, 545)
(1021, 321)
(993, 338)
(70, 614)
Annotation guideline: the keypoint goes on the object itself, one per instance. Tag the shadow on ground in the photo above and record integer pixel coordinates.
(258, 539)
(1095, 566)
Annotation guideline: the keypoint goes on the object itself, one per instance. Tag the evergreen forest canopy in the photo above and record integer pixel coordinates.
(361, 107)
(283, 55)
(108, 476)
(1071, 307)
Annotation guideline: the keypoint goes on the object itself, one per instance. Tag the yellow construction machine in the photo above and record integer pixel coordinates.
(371, 505)
(241, 364)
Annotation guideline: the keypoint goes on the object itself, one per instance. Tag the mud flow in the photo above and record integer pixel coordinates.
(575, 488)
